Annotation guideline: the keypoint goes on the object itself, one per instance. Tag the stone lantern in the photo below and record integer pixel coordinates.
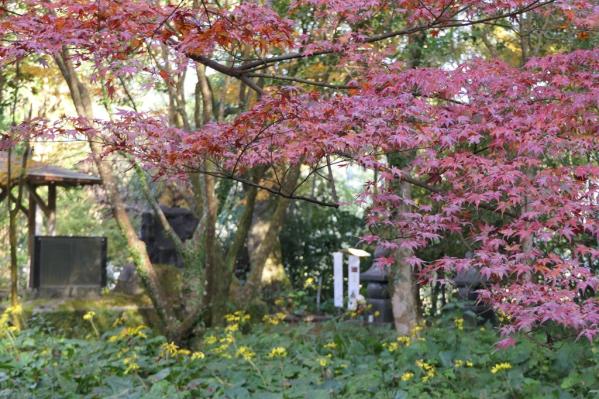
(378, 294)
(468, 282)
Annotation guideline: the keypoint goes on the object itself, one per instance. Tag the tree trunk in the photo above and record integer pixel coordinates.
(266, 236)
(12, 231)
(83, 105)
(403, 300)
(272, 268)
(216, 276)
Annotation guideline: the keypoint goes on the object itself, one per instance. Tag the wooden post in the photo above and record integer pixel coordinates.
(31, 231)
(353, 282)
(338, 279)
(31, 221)
(51, 223)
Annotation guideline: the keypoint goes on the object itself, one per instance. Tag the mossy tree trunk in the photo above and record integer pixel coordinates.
(83, 106)
(265, 236)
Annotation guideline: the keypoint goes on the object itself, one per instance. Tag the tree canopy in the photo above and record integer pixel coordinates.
(505, 153)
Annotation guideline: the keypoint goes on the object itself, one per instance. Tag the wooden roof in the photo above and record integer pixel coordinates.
(41, 174)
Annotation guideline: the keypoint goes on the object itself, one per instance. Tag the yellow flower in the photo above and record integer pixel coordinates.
(423, 365)
(227, 339)
(89, 316)
(184, 352)
(221, 348)
(15, 310)
(459, 323)
(404, 340)
(503, 317)
(330, 346)
(278, 351)
(458, 363)
(197, 355)
(323, 361)
(499, 367)
(232, 328)
(392, 346)
(172, 349)
(279, 302)
(4, 318)
(118, 322)
(429, 370)
(309, 282)
(131, 364)
(407, 376)
(129, 332)
(416, 330)
(169, 349)
(274, 319)
(210, 340)
(469, 363)
(237, 317)
(246, 353)
(225, 343)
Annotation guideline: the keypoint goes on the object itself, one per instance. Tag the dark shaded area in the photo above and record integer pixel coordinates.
(468, 282)
(161, 248)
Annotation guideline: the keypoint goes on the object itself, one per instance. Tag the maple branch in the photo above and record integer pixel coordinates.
(2, 8)
(245, 79)
(458, 23)
(217, 66)
(436, 24)
(331, 180)
(438, 190)
(269, 189)
(282, 194)
(254, 140)
(336, 86)
(243, 72)
(300, 80)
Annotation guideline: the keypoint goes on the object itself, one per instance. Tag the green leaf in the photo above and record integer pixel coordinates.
(161, 375)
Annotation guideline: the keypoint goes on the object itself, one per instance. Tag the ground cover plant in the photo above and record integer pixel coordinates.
(274, 359)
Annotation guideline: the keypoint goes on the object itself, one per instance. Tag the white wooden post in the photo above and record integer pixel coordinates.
(338, 279)
(353, 282)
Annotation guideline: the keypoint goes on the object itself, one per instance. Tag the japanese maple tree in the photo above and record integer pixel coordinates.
(506, 154)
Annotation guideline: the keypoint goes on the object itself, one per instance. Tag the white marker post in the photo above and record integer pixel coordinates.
(338, 279)
(353, 282)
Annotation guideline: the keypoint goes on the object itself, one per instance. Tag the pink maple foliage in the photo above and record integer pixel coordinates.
(485, 140)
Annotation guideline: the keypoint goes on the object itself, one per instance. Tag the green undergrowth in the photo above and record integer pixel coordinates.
(64, 317)
(272, 359)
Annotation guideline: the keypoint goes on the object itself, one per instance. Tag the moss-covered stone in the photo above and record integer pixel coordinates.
(64, 317)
